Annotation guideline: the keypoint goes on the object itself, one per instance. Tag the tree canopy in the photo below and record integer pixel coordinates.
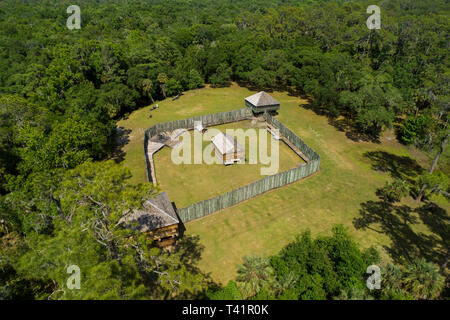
(62, 91)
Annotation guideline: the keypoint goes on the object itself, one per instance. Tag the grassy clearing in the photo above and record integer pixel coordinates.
(189, 183)
(340, 192)
(192, 103)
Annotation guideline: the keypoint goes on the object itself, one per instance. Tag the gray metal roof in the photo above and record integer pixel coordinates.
(262, 99)
(156, 213)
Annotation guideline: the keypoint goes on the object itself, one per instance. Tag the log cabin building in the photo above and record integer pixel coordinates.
(227, 149)
(157, 219)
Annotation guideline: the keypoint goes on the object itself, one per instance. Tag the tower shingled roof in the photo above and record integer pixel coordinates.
(262, 99)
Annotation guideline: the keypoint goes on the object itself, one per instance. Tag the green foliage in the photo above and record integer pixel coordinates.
(394, 191)
(59, 101)
(354, 294)
(254, 275)
(374, 102)
(116, 99)
(261, 78)
(414, 129)
(173, 87)
(330, 267)
(308, 269)
(418, 280)
(422, 280)
(222, 76)
(15, 113)
(115, 263)
(434, 182)
(370, 77)
(69, 144)
(195, 80)
(371, 256)
(230, 292)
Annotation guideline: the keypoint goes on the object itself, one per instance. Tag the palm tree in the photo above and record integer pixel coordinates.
(392, 286)
(254, 274)
(423, 280)
(147, 86)
(354, 294)
(162, 79)
(287, 281)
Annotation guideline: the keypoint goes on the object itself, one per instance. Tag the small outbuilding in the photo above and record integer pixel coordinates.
(227, 149)
(262, 102)
(199, 127)
(157, 219)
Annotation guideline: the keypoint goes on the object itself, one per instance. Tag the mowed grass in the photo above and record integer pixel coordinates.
(265, 224)
(189, 183)
(191, 103)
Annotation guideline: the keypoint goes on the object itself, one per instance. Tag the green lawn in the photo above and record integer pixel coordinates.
(191, 103)
(343, 191)
(189, 183)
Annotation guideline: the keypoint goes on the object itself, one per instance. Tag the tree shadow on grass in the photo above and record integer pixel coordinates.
(437, 219)
(344, 123)
(397, 222)
(400, 167)
(317, 110)
(188, 252)
(298, 92)
(352, 132)
(191, 250)
(121, 138)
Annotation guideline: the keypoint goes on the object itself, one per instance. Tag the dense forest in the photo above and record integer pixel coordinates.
(62, 91)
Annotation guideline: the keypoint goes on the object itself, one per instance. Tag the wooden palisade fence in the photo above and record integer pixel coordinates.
(206, 207)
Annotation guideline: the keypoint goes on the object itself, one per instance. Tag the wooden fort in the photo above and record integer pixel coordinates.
(157, 219)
